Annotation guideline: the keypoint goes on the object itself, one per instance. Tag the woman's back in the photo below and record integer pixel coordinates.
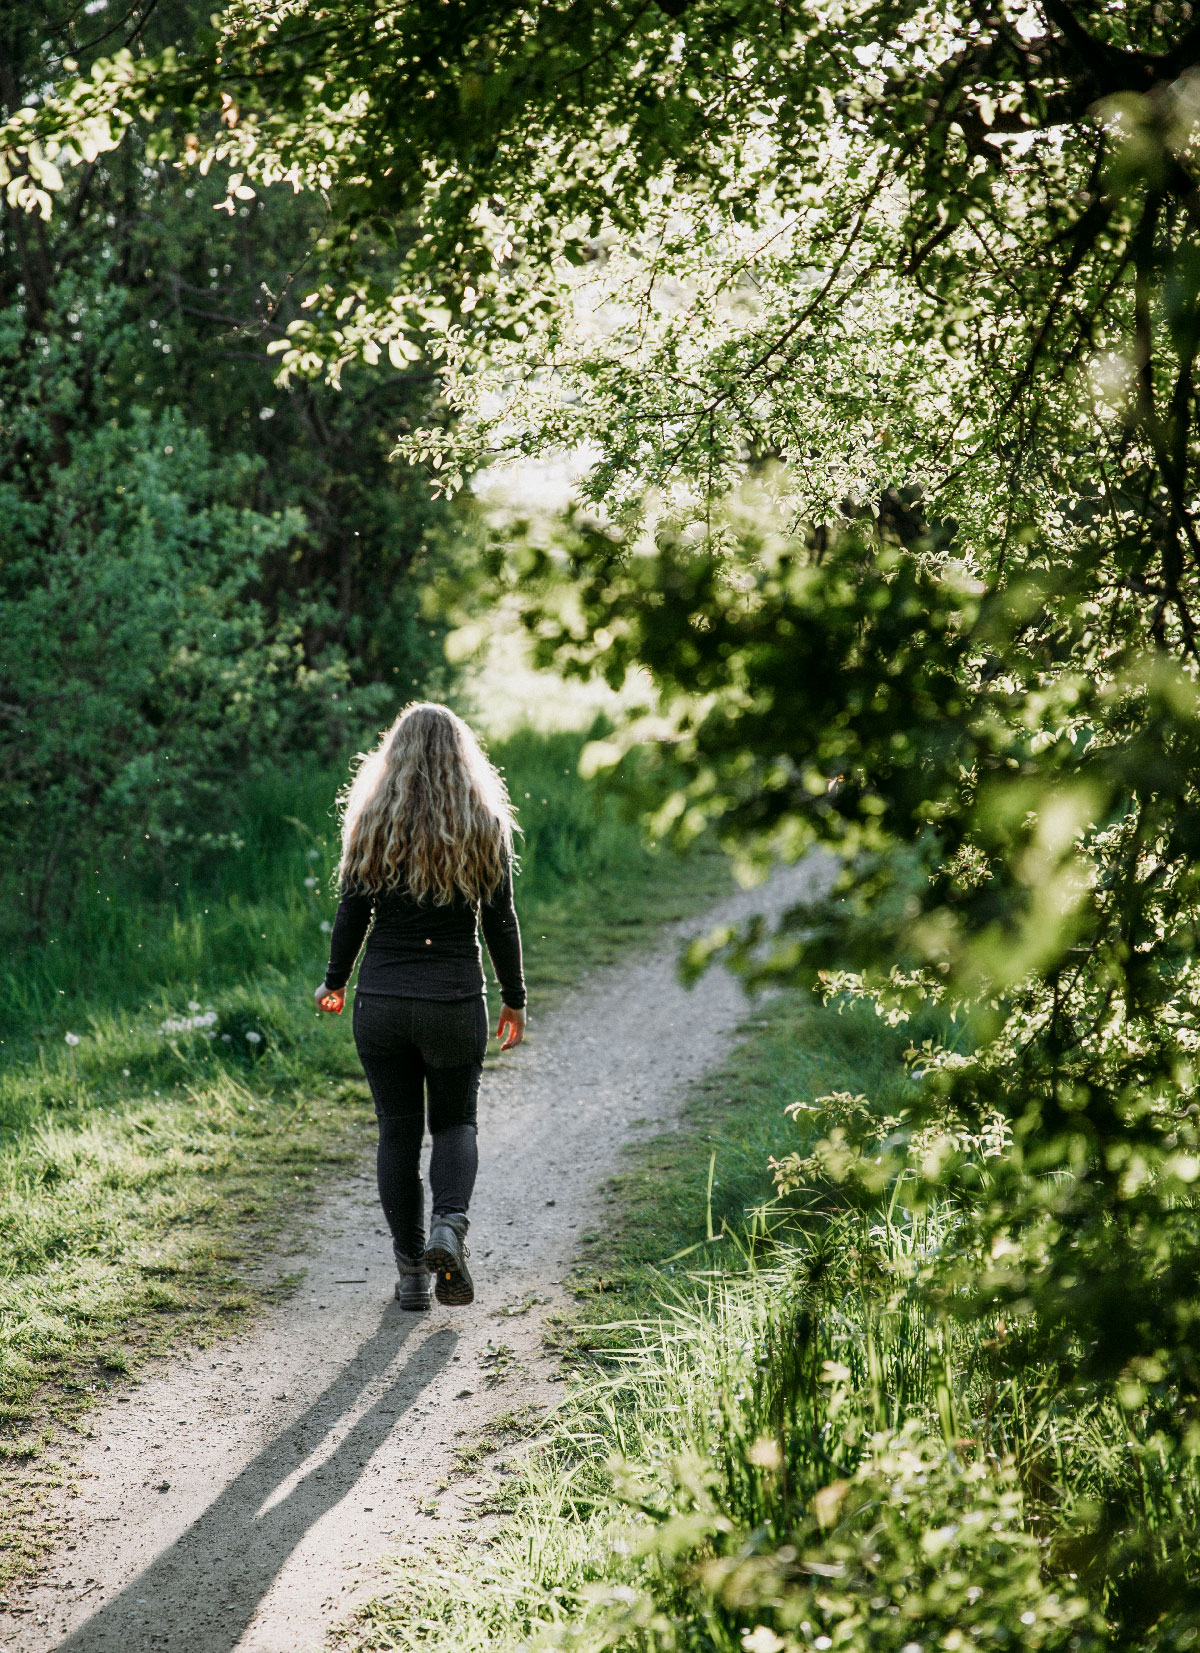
(423, 949)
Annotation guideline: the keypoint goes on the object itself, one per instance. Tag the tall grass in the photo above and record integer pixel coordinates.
(259, 908)
(779, 1444)
(736, 1485)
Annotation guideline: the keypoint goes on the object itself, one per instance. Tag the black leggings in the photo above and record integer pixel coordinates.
(410, 1047)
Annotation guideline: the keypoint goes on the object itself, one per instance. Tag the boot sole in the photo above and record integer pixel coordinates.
(453, 1286)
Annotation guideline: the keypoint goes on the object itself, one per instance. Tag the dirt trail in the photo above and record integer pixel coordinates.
(242, 1497)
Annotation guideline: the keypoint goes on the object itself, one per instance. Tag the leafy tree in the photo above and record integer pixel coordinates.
(211, 290)
(210, 572)
(141, 670)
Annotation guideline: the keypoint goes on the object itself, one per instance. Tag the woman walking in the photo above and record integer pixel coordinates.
(427, 854)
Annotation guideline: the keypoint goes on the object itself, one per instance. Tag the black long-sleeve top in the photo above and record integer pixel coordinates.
(417, 950)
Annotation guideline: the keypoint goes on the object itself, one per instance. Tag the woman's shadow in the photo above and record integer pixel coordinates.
(202, 1592)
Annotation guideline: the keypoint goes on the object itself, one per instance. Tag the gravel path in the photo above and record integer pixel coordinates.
(243, 1497)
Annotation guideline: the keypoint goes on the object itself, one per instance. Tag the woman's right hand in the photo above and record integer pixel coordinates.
(512, 1023)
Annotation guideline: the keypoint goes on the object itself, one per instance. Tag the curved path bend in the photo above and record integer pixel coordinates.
(243, 1497)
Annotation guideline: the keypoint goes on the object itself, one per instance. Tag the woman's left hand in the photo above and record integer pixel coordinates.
(512, 1022)
(330, 998)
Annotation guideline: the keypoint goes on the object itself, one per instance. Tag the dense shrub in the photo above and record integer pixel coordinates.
(141, 669)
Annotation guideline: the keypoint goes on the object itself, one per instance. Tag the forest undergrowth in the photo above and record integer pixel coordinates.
(777, 1439)
(172, 1101)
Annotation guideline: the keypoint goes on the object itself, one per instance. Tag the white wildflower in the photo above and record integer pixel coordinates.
(193, 1004)
(185, 1024)
(762, 1640)
(227, 1038)
(314, 854)
(310, 883)
(125, 1071)
(72, 1038)
(326, 926)
(253, 1038)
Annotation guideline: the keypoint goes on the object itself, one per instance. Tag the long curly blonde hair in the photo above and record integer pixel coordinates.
(426, 810)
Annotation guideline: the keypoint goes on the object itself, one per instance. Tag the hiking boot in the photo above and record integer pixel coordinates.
(412, 1288)
(445, 1258)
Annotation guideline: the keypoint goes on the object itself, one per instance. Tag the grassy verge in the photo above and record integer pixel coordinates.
(647, 1286)
(712, 1177)
(774, 1441)
(147, 1162)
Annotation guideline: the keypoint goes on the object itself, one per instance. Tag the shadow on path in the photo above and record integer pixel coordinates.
(202, 1592)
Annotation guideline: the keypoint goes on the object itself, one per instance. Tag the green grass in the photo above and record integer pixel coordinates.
(144, 1167)
(133, 944)
(664, 1201)
(774, 1442)
(129, 1227)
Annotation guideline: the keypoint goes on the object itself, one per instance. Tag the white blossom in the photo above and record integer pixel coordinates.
(184, 1024)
